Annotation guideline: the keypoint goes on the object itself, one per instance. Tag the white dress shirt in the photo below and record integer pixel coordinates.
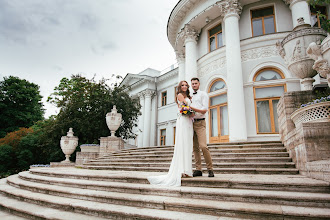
(200, 101)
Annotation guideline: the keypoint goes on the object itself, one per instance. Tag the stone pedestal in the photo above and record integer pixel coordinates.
(110, 144)
(309, 143)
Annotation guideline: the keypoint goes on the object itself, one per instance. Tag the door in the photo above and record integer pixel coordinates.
(219, 131)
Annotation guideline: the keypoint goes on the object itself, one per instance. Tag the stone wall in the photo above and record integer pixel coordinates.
(308, 144)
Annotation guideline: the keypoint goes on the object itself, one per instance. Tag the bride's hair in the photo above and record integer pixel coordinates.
(187, 93)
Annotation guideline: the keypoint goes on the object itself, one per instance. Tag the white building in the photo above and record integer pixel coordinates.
(231, 47)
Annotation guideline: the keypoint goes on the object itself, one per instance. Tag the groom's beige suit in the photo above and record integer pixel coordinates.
(200, 100)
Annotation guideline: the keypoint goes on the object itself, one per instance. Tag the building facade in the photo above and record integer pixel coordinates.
(230, 46)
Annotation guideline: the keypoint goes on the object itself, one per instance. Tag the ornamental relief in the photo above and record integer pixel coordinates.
(303, 32)
(214, 65)
(258, 53)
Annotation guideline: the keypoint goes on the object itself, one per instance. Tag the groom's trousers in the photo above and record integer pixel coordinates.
(200, 144)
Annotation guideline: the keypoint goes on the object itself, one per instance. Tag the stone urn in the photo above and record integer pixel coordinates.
(320, 52)
(113, 120)
(68, 145)
(293, 50)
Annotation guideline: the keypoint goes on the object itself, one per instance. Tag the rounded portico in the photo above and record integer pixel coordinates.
(235, 40)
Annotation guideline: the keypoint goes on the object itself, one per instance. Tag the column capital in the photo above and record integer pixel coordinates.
(141, 95)
(188, 33)
(292, 2)
(230, 8)
(180, 56)
(148, 93)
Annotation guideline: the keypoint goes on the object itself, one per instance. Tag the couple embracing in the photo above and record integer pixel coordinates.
(190, 137)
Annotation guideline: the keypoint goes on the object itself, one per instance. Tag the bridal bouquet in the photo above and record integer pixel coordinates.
(186, 110)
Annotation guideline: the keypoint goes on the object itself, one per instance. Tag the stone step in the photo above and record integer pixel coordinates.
(215, 165)
(221, 145)
(213, 151)
(215, 160)
(70, 196)
(260, 196)
(216, 170)
(95, 208)
(297, 183)
(6, 215)
(26, 210)
(215, 155)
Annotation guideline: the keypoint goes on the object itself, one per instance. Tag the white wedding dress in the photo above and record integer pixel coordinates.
(182, 157)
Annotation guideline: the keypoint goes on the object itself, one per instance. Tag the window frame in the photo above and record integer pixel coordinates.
(175, 89)
(215, 36)
(164, 98)
(215, 81)
(162, 137)
(174, 129)
(262, 19)
(269, 99)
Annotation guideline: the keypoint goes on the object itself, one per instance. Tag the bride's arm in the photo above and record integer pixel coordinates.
(181, 98)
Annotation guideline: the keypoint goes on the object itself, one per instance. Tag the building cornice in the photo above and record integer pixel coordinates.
(168, 75)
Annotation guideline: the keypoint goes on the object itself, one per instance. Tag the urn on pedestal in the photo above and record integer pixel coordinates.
(293, 50)
(113, 119)
(68, 145)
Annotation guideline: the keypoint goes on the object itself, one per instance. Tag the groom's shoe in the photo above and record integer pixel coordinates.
(197, 173)
(211, 174)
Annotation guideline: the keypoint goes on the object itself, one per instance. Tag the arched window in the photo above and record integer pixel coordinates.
(217, 85)
(266, 98)
(218, 111)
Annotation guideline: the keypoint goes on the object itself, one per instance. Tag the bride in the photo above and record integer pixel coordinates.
(181, 165)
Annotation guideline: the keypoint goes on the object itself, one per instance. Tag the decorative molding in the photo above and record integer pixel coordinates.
(258, 53)
(180, 56)
(168, 75)
(303, 32)
(229, 7)
(148, 93)
(214, 65)
(188, 33)
(292, 2)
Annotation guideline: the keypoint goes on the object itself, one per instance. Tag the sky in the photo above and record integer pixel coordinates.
(43, 41)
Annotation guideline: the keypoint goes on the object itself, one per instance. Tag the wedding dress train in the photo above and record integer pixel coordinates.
(182, 158)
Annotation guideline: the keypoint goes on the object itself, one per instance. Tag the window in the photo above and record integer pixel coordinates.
(175, 90)
(164, 95)
(162, 137)
(215, 38)
(266, 99)
(217, 85)
(263, 21)
(315, 19)
(174, 130)
(218, 112)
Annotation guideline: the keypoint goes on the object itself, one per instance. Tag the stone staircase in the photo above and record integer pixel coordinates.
(252, 181)
(247, 158)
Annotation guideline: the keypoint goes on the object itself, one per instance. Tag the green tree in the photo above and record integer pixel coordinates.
(84, 104)
(20, 104)
(325, 22)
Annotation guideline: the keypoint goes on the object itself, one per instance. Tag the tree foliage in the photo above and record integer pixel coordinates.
(84, 104)
(325, 22)
(20, 104)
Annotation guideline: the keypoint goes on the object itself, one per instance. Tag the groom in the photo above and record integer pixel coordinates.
(200, 103)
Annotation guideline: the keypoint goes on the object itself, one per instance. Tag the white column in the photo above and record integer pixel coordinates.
(236, 105)
(147, 118)
(181, 63)
(190, 35)
(299, 8)
(141, 123)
